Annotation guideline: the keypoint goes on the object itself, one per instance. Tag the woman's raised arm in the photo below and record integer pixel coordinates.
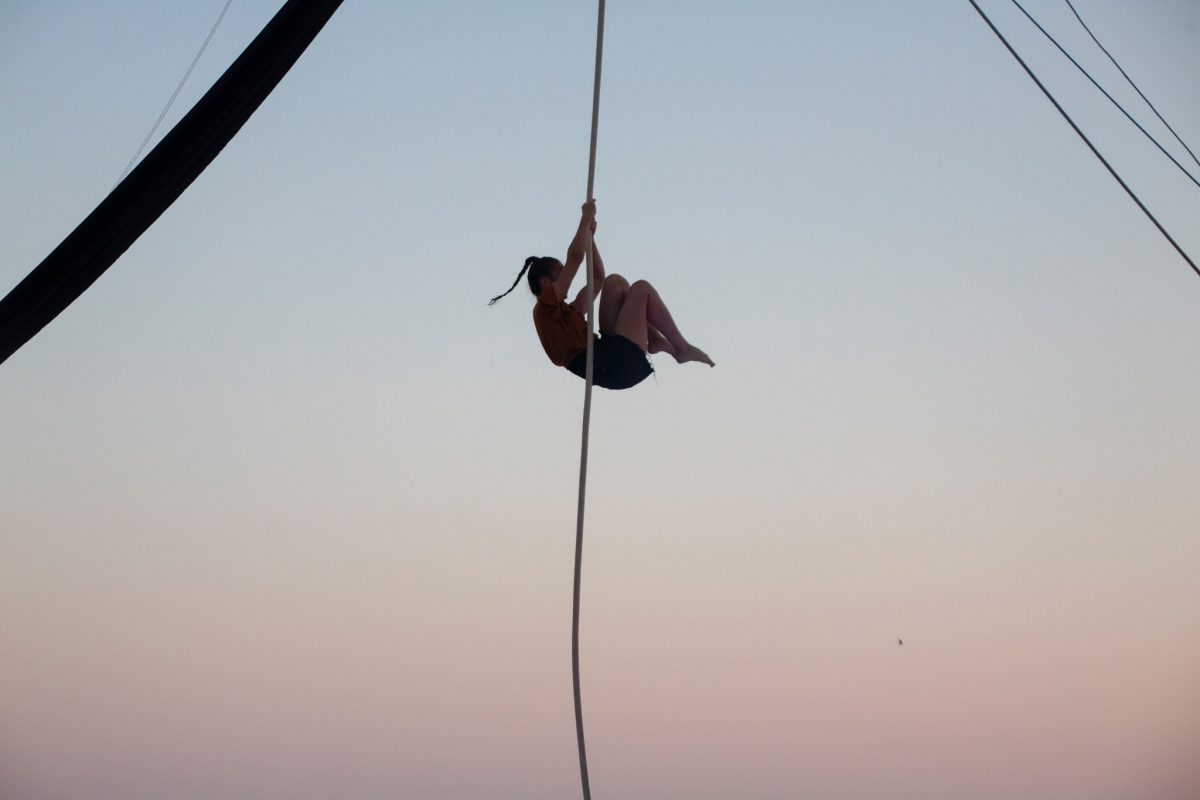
(577, 251)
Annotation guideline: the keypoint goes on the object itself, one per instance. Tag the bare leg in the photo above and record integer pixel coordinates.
(658, 342)
(659, 317)
(612, 297)
(643, 311)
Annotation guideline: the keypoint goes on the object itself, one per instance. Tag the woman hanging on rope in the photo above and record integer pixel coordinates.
(633, 319)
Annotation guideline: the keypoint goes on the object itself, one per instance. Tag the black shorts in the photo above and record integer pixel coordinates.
(617, 363)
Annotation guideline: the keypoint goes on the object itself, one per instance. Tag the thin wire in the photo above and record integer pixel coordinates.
(587, 417)
(1131, 83)
(1111, 99)
(178, 88)
(1086, 141)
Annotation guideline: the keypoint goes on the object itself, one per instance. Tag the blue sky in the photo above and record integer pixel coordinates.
(286, 509)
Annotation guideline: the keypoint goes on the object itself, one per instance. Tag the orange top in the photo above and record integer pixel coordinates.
(561, 328)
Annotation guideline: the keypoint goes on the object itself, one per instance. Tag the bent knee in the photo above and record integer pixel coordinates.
(642, 287)
(615, 282)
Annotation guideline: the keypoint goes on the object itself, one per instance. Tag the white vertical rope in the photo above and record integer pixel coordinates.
(587, 417)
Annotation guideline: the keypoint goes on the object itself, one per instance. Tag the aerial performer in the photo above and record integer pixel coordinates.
(633, 319)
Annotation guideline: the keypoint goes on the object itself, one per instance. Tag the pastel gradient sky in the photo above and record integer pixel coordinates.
(287, 512)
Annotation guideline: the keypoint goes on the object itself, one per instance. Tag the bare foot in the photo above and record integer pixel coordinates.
(694, 353)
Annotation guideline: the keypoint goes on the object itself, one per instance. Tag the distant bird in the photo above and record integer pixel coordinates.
(900, 642)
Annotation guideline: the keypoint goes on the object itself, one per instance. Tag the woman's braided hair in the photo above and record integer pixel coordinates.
(538, 267)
